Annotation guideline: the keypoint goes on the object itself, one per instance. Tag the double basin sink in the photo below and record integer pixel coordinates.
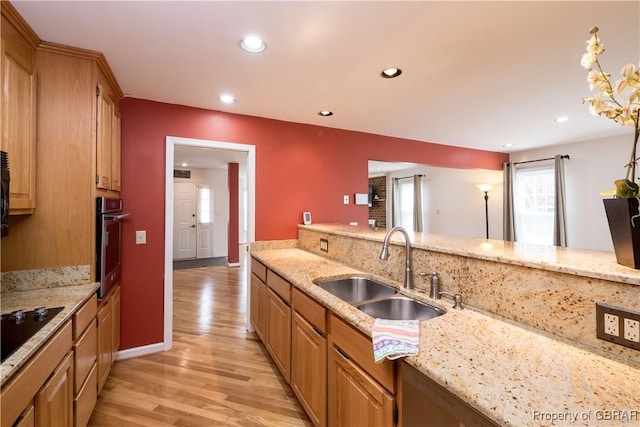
(379, 300)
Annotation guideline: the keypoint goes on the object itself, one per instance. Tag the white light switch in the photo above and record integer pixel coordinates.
(346, 199)
(141, 237)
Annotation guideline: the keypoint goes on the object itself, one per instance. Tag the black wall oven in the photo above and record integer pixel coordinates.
(108, 248)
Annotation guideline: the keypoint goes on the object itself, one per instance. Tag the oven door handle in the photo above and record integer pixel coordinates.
(115, 217)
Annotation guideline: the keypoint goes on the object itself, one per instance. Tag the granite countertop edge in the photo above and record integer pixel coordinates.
(513, 375)
(70, 297)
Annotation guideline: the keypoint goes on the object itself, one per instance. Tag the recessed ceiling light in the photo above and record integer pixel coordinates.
(390, 73)
(253, 44)
(183, 164)
(561, 119)
(325, 113)
(507, 145)
(227, 99)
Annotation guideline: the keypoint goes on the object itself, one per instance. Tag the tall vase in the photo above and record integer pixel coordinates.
(625, 236)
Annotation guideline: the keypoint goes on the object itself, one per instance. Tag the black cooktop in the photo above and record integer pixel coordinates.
(19, 326)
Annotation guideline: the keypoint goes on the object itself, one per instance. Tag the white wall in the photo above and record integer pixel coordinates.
(593, 167)
(218, 180)
(453, 205)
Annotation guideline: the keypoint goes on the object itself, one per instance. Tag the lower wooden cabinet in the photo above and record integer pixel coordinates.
(258, 309)
(108, 333)
(278, 334)
(85, 384)
(309, 369)
(354, 397)
(27, 418)
(54, 401)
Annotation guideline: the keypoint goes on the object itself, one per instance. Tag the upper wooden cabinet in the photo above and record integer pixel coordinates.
(107, 142)
(18, 108)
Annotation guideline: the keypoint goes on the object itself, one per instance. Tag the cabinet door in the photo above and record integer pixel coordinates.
(115, 326)
(115, 151)
(19, 122)
(54, 401)
(258, 311)
(104, 129)
(309, 369)
(354, 397)
(105, 348)
(279, 333)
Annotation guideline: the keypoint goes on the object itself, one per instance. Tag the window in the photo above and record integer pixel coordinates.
(534, 205)
(405, 203)
(204, 213)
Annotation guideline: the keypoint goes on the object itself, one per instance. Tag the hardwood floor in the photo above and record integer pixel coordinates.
(216, 374)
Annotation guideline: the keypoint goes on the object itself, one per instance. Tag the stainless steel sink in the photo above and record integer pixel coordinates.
(356, 289)
(400, 308)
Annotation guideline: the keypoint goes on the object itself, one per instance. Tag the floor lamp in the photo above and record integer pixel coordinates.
(486, 188)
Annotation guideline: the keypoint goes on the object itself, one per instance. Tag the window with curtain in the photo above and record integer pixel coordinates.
(534, 205)
(404, 200)
(206, 205)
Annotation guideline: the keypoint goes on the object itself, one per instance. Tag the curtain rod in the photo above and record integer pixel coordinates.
(564, 156)
(407, 177)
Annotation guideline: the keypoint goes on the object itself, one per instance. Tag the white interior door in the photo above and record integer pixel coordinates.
(184, 221)
(205, 221)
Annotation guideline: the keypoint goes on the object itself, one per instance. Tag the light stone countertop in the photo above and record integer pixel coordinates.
(69, 297)
(515, 375)
(587, 263)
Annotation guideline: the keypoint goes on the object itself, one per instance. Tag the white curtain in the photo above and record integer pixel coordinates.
(509, 228)
(559, 211)
(417, 203)
(396, 212)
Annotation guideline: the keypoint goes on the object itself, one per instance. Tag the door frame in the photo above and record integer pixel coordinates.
(171, 142)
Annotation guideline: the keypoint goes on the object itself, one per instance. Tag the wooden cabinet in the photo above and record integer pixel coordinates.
(309, 356)
(54, 401)
(107, 141)
(270, 314)
(18, 130)
(258, 309)
(27, 418)
(278, 334)
(108, 332)
(85, 384)
(360, 392)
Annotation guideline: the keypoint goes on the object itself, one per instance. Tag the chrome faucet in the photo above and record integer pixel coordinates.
(384, 254)
(436, 293)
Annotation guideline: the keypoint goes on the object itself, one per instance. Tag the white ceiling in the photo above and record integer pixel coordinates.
(475, 74)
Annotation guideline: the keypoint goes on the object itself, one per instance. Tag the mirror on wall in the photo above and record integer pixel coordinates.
(452, 204)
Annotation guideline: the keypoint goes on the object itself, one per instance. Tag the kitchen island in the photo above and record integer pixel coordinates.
(504, 367)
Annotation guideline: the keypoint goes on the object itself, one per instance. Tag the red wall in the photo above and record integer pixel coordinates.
(298, 168)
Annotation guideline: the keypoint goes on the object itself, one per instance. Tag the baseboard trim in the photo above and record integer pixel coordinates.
(140, 351)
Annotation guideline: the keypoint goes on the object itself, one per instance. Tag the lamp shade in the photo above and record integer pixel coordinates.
(484, 187)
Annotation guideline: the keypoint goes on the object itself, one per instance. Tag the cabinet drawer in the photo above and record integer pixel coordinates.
(84, 356)
(259, 269)
(313, 312)
(84, 315)
(360, 349)
(279, 286)
(85, 400)
(17, 394)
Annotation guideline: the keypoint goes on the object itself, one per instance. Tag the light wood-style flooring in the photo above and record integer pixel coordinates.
(216, 374)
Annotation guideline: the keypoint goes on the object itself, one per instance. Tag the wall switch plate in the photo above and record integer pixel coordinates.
(141, 237)
(324, 245)
(346, 199)
(618, 325)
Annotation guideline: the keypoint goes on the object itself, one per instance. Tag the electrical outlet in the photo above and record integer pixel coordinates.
(324, 245)
(618, 325)
(632, 330)
(611, 323)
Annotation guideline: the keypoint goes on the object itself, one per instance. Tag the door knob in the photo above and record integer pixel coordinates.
(193, 226)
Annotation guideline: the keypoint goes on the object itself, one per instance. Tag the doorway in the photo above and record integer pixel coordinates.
(249, 153)
(192, 221)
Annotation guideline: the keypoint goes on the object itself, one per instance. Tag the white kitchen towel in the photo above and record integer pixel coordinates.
(393, 339)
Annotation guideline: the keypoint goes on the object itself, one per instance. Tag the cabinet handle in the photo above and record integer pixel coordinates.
(345, 355)
(317, 331)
